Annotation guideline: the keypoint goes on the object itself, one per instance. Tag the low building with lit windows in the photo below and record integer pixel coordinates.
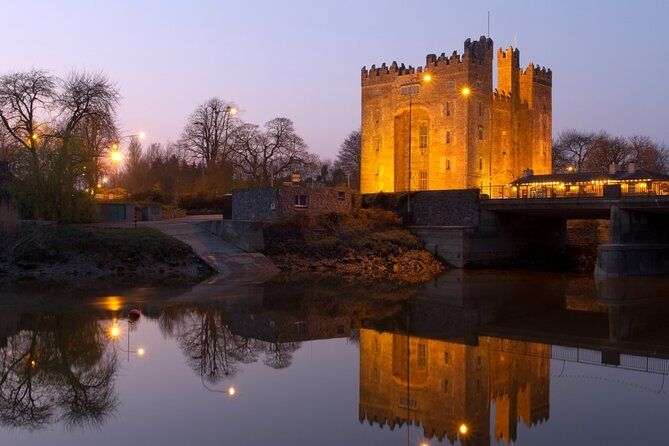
(612, 185)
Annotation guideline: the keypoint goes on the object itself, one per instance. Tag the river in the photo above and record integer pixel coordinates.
(471, 357)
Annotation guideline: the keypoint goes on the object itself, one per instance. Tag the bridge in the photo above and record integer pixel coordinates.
(466, 230)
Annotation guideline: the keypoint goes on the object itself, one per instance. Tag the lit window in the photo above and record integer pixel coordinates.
(448, 137)
(422, 135)
(481, 132)
(301, 201)
(423, 180)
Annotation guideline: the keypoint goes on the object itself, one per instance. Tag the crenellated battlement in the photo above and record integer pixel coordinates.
(539, 74)
(501, 96)
(476, 52)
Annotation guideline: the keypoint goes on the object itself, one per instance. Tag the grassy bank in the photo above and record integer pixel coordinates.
(366, 241)
(81, 253)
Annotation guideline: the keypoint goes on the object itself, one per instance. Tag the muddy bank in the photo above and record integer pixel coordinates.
(367, 242)
(85, 255)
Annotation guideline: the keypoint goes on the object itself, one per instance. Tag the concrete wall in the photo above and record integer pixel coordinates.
(245, 235)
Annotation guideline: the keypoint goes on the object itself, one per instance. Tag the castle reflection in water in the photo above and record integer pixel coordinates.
(446, 385)
(447, 356)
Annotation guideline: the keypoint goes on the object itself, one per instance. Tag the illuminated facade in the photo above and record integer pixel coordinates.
(450, 385)
(464, 133)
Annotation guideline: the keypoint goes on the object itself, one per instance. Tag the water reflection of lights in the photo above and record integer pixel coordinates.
(115, 334)
(230, 391)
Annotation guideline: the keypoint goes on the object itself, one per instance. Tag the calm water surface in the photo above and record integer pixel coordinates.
(469, 358)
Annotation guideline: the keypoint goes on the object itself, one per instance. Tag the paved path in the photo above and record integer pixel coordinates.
(224, 257)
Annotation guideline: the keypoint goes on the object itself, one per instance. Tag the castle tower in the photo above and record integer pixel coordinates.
(457, 141)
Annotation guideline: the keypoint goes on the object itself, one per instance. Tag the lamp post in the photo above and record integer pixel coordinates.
(415, 82)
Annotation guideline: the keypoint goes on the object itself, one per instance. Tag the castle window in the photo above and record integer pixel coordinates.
(481, 132)
(422, 135)
(445, 386)
(377, 116)
(448, 137)
(450, 85)
(480, 163)
(377, 143)
(448, 164)
(480, 109)
(413, 89)
(448, 109)
(446, 357)
(423, 180)
(479, 85)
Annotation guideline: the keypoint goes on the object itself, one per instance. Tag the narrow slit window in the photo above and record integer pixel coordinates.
(422, 135)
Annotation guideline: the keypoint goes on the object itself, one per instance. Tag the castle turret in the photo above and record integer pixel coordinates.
(508, 71)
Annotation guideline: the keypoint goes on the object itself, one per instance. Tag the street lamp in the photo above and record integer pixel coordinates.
(415, 82)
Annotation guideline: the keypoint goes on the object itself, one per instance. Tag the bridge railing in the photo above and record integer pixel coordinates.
(564, 191)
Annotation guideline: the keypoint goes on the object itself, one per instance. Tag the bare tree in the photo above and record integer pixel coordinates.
(262, 155)
(571, 149)
(648, 154)
(607, 150)
(348, 157)
(207, 134)
(24, 99)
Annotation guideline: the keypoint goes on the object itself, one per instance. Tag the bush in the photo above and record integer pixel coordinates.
(335, 234)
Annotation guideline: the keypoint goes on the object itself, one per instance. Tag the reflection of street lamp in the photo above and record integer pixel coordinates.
(415, 82)
(230, 391)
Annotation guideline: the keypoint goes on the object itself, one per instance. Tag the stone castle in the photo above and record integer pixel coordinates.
(464, 133)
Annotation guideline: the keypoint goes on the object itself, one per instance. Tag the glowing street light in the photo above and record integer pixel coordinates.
(232, 391)
(116, 156)
(570, 168)
(463, 429)
(466, 91)
(141, 135)
(115, 331)
(232, 110)
(141, 351)
(427, 77)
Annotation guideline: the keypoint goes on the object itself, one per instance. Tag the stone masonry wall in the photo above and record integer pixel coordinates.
(587, 233)
(254, 204)
(273, 203)
(432, 208)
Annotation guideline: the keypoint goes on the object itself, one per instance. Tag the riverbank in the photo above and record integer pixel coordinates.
(83, 254)
(365, 242)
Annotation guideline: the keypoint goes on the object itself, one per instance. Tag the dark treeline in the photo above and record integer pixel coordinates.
(583, 151)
